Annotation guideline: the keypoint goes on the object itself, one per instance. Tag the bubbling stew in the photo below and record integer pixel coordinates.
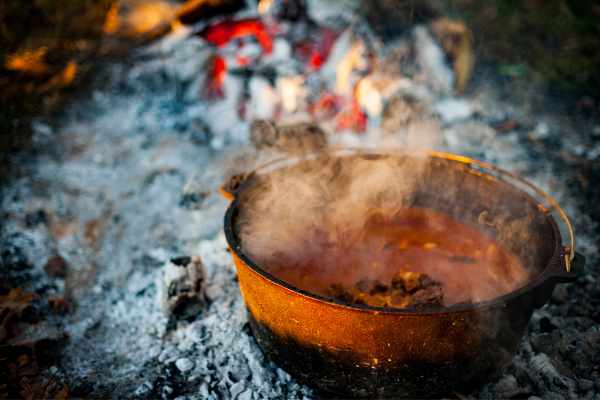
(409, 258)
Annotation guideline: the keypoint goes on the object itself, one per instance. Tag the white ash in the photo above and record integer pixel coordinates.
(182, 288)
(454, 109)
(433, 61)
(184, 364)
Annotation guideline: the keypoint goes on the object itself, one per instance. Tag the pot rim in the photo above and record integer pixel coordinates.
(564, 254)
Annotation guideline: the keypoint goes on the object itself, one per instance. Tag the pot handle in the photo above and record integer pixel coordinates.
(226, 193)
(560, 274)
(235, 184)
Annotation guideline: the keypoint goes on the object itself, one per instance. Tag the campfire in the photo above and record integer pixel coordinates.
(290, 65)
(283, 199)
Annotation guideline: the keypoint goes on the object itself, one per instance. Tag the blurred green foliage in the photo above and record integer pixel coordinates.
(557, 39)
(68, 29)
(29, 23)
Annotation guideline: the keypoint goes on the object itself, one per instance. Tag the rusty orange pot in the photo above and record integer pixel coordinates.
(365, 351)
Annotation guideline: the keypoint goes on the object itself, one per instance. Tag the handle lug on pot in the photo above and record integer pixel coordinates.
(226, 194)
(576, 269)
(234, 184)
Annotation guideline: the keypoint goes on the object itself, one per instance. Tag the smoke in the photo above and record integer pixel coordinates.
(311, 222)
(332, 192)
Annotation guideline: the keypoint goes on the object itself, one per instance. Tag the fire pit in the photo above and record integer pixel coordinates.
(355, 349)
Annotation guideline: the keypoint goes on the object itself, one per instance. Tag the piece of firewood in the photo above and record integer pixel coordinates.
(192, 11)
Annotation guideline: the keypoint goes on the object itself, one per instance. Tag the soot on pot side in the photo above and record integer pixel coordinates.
(351, 230)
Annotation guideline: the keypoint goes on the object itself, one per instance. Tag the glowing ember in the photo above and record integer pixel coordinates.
(148, 16)
(213, 86)
(317, 72)
(138, 18)
(223, 32)
(315, 53)
(30, 61)
(264, 6)
(353, 118)
(62, 79)
(111, 21)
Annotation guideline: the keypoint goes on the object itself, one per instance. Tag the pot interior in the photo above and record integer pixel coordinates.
(284, 215)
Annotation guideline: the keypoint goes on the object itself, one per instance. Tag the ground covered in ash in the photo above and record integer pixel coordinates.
(124, 180)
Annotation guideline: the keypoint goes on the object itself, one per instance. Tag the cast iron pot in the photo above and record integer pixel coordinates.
(365, 351)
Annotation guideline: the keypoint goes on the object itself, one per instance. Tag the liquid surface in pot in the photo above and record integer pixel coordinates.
(393, 258)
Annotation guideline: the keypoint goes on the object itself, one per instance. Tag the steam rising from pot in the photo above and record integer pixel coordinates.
(294, 216)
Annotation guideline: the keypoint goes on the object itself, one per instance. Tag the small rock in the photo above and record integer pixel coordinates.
(56, 267)
(184, 364)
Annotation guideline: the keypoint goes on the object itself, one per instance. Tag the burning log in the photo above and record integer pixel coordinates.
(300, 137)
(316, 53)
(194, 10)
(139, 19)
(182, 291)
(457, 42)
(221, 33)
